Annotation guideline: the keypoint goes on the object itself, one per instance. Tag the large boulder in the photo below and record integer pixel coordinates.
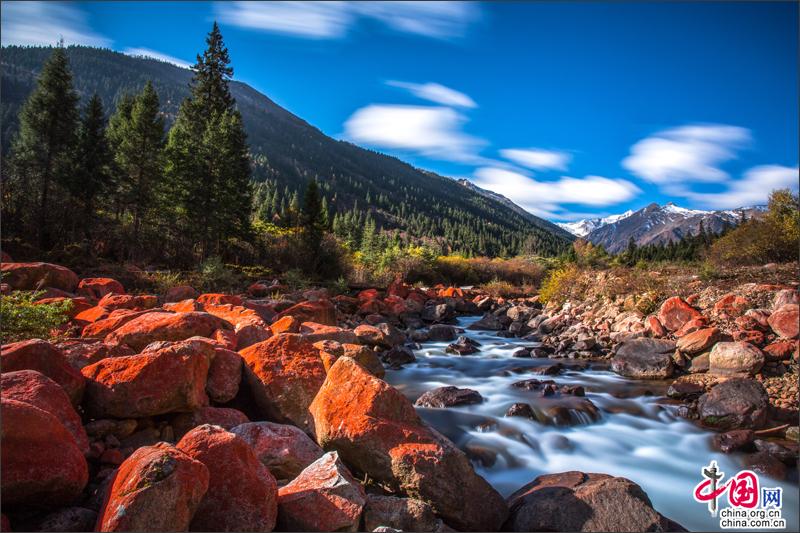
(402, 514)
(321, 312)
(699, 341)
(330, 351)
(644, 358)
(442, 332)
(488, 322)
(42, 464)
(575, 501)
(313, 332)
(785, 321)
(82, 352)
(284, 373)
(157, 326)
(39, 355)
(735, 358)
(113, 301)
(734, 404)
(286, 450)
(29, 276)
(383, 334)
(242, 494)
(96, 288)
(324, 497)
(224, 417)
(110, 321)
(448, 397)
(376, 430)
(171, 379)
(224, 375)
(157, 488)
(675, 312)
(34, 388)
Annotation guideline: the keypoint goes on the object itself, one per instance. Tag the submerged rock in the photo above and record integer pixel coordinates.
(448, 397)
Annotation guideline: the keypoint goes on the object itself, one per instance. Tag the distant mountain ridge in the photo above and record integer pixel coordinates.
(583, 227)
(288, 152)
(657, 224)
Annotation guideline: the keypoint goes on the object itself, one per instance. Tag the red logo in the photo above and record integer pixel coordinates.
(742, 488)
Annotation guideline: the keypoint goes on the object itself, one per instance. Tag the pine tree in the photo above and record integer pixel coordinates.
(43, 151)
(312, 224)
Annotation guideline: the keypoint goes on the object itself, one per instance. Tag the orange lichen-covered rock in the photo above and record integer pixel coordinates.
(100, 328)
(184, 306)
(39, 355)
(29, 276)
(321, 312)
(284, 373)
(699, 341)
(286, 324)
(675, 312)
(96, 288)
(242, 493)
(785, 321)
(157, 488)
(224, 417)
(77, 305)
(224, 375)
(34, 388)
(282, 448)
(179, 292)
(330, 351)
(158, 326)
(127, 301)
(171, 379)
(376, 430)
(731, 306)
(314, 332)
(42, 464)
(451, 292)
(82, 352)
(219, 299)
(324, 497)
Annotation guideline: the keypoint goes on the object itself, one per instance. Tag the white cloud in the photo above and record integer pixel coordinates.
(331, 20)
(44, 23)
(752, 189)
(157, 55)
(431, 131)
(544, 198)
(537, 159)
(686, 154)
(435, 92)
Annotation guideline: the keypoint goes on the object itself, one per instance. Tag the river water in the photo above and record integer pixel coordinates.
(638, 435)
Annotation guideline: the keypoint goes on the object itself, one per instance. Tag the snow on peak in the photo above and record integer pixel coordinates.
(669, 207)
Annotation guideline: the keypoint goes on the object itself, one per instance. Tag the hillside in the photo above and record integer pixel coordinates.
(287, 152)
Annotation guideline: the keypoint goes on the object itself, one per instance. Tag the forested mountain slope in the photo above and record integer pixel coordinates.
(287, 152)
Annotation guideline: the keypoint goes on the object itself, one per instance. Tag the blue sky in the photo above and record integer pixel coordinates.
(569, 109)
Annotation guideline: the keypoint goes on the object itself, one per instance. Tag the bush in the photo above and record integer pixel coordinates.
(216, 276)
(23, 319)
(560, 284)
(497, 288)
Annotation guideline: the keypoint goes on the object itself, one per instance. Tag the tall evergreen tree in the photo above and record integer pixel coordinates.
(208, 166)
(312, 223)
(43, 151)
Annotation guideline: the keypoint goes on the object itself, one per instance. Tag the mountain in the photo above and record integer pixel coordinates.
(288, 152)
(583, 227)
(661, 224)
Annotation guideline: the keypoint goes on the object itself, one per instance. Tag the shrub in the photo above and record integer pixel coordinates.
(216, 276)
(497, 288)
(22, 318)
(560, 284)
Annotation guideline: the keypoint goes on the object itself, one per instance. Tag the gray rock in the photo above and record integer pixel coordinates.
(644, 358)
(734, 404)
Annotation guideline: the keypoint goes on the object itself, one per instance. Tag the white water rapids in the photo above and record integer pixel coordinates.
(638, 436)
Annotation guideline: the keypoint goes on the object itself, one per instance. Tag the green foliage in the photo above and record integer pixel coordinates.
(559, 284)
(22, 318)
(215, 275)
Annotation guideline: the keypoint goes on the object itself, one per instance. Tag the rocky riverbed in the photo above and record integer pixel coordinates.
(274, 409)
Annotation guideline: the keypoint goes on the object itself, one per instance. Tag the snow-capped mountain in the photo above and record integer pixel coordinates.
(655, 224)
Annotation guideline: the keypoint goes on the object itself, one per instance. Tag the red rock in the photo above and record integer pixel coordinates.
(258, 290)
(324, 497)
(313, 332)
(699, 341)
(29, 276)
(242, 494)
(224, 375)
(399, 289)
(157, 488)
(380, 335)
(158, 326)
(184, 306)
(781, 350)
(731, 305)
(93, 314)
(691, 326)
(219, 299)
(321, 312)
(284, 374)
(371, 307)
(330, 351)
(287, 324)
(451, 292)
(111, 322)
(675, 312)
(82, 352)
(112, 457)
(346, 304)
(223, 417)
(96, 288)
(180, 292)
(171, 379)
(127, 301)
(77, 305)
(42, 464)
(36, 389)
(43, 357)
(749, 322)
(759, 315)
(368, 294)
(265, 311)
(653, 326)
(226, 338)
(752, 336)
(286, 450)
(376, 430)
(785, 321)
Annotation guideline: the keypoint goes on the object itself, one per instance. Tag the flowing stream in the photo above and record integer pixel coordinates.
(638, 435)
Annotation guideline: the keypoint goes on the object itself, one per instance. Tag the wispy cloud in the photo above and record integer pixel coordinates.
(431, 131)
(157, 55)
(537, 158)
(690, 153)
(752, 189)
(44, 23)
(545, 198)
(332, 20)
(435, 92)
